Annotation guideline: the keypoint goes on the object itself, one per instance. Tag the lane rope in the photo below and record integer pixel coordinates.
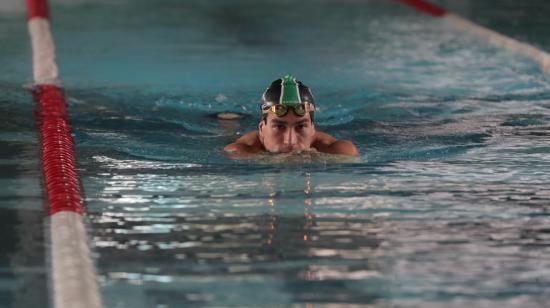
(73, 276)
(541, 57)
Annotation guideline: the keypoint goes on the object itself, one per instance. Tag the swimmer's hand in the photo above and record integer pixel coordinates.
(243, 151)
(249, 146)
(309, 156)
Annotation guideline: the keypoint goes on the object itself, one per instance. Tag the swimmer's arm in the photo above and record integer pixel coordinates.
(327, 144)
(244, 147)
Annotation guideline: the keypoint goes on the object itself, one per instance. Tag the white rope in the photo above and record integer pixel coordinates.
(43, 52)
(539, 56)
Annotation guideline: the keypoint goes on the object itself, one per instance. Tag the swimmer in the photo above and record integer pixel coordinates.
(287, 125)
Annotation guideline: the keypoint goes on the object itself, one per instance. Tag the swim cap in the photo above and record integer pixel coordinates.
(287, 91)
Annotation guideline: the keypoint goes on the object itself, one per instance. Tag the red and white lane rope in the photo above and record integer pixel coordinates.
(74, 281)
(541, 57)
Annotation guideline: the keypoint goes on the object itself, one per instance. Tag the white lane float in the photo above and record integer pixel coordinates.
(73, 276)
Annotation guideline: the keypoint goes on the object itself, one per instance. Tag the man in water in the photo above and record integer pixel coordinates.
(287, 125)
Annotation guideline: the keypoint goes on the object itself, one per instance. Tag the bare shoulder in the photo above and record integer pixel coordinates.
(248, 143)
(328, 144)
(250, 139)
(323, 139)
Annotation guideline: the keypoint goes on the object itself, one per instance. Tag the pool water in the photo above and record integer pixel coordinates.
(446, 207)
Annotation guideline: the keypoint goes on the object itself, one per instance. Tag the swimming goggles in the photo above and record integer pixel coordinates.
(281, 110)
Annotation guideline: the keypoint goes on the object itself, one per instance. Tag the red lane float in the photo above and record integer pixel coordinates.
(425, 7)
(37, 9)
(58, 157)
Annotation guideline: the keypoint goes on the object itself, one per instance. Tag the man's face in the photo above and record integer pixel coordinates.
(290, 133)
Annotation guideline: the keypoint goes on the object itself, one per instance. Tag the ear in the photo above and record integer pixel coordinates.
(261, 126)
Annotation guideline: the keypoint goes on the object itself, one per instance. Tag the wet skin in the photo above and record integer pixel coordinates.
(288, 134)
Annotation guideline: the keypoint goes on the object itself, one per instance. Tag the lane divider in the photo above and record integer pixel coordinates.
(541, 57)
(73, 276)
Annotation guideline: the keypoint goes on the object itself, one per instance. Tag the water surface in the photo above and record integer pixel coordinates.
(446, 207)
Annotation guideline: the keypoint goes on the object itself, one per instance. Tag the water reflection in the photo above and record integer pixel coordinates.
(317, 236)
(451, 207)
(23, 265)
(288, 249)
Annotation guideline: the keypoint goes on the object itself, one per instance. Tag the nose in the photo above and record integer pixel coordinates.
(290, 137)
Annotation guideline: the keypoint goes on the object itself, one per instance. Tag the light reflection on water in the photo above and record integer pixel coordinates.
(277, 239)
(463, 228)
(386, 236)
(446, 207)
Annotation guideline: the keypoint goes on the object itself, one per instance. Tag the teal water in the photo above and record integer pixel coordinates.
(446, 207)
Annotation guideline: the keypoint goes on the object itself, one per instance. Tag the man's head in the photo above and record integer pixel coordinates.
(287, 116)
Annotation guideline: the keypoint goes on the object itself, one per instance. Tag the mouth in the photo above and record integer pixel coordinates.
(290, 149)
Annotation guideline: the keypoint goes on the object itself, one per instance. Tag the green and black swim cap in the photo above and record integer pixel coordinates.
(289, 92)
